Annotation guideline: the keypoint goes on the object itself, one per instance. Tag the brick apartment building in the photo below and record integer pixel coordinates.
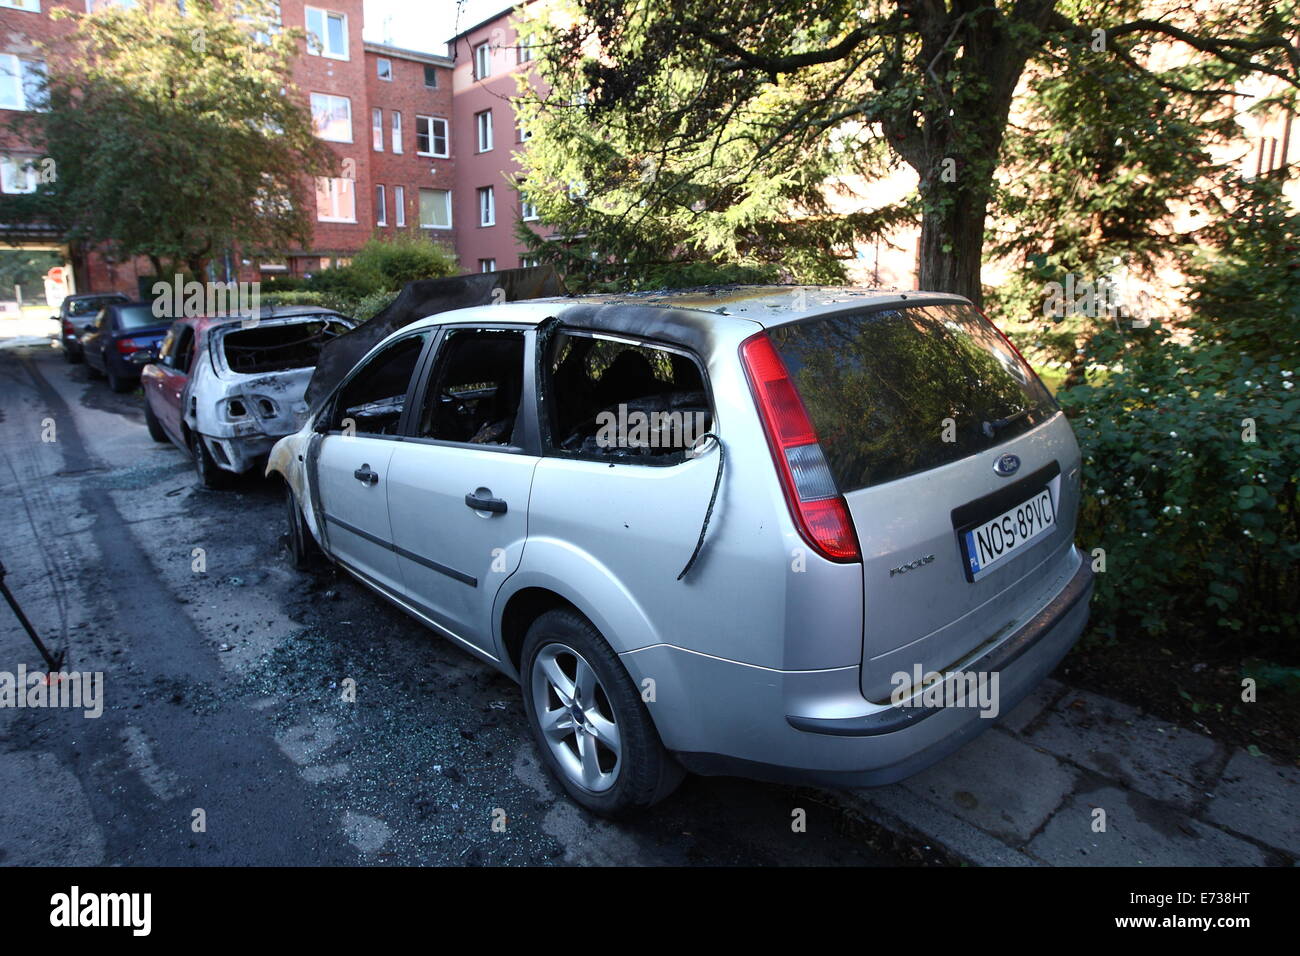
(429, 142)
(385, 111)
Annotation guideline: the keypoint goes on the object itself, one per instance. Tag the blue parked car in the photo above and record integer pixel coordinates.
(123, 340)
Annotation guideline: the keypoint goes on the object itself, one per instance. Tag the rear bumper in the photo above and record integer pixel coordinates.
(243, 453)
(816, 727)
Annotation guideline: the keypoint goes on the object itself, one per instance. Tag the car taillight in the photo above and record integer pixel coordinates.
(815, 503)
(129, 346)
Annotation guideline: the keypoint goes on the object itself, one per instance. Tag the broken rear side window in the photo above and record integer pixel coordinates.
(277, 348)
(612, 399)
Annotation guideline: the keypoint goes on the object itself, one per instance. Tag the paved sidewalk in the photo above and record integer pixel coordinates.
(1026, 792)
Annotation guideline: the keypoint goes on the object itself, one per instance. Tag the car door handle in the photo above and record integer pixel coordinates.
(366, 476)
(485, 502)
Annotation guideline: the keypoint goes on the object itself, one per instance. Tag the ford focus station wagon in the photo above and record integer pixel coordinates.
(796, 534)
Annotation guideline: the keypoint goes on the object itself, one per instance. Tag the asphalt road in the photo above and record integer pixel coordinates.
(224, 674)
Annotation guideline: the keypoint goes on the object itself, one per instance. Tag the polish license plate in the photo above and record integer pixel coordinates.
(987, 545)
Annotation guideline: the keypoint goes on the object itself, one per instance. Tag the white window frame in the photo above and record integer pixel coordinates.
(399, 206)
(487, 206)
(13, 66)
(320, 48)
(15, 168)
(483, 131)
(433, 140)
(380, 63)
(332, 180)
(332, 96)
(377, 129)
(381, 203)
(397, 131)
(447, 193)
(483, 60)
(487, 265)
(527, 211)
(31, 6)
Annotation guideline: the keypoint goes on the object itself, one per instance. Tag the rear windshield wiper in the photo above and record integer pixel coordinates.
(992, 428)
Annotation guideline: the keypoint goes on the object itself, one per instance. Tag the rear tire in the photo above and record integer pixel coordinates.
(304, 553)
(210, 474)
(117, 384)
(599, 741)
(155, 429)
(71, 357)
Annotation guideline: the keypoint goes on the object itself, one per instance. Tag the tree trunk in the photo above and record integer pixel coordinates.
(952, 246)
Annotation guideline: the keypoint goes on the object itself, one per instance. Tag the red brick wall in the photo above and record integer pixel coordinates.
(407, 94)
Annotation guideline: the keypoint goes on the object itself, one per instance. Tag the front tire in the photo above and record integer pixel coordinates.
(210, 475)
(590, 724)
(304, 553)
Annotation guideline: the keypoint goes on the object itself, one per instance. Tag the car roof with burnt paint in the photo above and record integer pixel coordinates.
(691, 316)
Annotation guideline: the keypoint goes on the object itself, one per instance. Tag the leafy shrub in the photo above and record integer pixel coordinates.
(407, 257)
(1200, 524)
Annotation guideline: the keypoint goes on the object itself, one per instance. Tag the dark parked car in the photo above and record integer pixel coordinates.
(77, 316)
(122, 341)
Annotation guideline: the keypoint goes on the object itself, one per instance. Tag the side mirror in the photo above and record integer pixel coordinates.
(54, 318)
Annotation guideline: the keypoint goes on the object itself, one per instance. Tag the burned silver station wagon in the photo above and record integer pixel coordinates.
(853, 499)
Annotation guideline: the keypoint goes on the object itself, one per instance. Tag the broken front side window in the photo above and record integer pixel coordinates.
(371, 402)
(276, 348)
(610, 398)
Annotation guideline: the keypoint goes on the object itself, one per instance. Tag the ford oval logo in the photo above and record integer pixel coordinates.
(1006, 465)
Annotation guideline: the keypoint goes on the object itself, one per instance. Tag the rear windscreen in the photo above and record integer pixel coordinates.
(138, 317)
(276, 348)
(897, 391)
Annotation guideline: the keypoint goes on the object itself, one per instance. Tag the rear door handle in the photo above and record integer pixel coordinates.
(485, 502)
(366, 476)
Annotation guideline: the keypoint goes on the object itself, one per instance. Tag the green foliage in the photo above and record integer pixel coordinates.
(406, 257)
(176, 135)
(1201, 527)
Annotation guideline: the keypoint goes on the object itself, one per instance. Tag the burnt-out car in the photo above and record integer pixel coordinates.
(226, 389)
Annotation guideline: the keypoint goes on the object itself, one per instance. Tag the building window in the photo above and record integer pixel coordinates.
(384, 69)
(435, 208)
(33, 6)
(331, 117)
(483, 123)
(487, 265)
(21, 83)
(399, 205)
(521, 131)
(17, 175)
(377, 129)
(529, 262)
(336, 200)
(525, 49)
(527, 211)
(327, 33)
(430, 77)
(381, 206)
(431, 136)
(487, 207)
(397, 131)
(482, 61)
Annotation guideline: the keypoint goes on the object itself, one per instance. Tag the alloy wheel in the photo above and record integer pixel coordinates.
(576, 718)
